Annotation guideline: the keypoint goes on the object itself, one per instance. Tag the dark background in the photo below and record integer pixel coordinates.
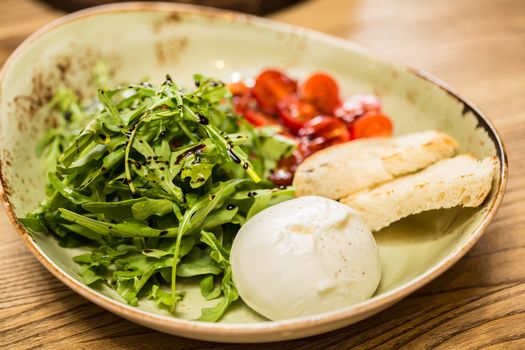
(258, 7)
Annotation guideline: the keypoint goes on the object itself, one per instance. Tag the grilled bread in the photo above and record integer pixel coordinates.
(462, 180)
(347, 168)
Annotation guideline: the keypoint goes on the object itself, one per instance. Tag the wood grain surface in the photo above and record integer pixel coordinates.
(476, 46)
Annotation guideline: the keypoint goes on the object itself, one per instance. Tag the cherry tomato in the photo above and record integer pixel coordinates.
(356, 106)
(238, 89)
(271, 86)
(316, 134)
(325, 130)
(294, 112)
(257, 118)
(241, 103)
(371, 124)
(283, 174)
(322, 91)
(242, 99)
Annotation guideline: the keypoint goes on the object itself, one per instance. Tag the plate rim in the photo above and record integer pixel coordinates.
(289, 328)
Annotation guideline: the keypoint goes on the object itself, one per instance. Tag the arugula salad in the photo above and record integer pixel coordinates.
(156, 181)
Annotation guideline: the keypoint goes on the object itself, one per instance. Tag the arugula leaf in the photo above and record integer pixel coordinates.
(69, 193)
(163, 298)
(221, 256)
(218, 252)
(122, 229)
(85, 232)
(213, 314)
(208, 290)
(198, 262)
(114, 210)
(147, 207)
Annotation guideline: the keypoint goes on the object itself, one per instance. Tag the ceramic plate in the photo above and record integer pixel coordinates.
(141, 40)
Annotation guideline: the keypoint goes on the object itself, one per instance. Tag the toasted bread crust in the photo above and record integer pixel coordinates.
(347, 168)
(461, 180)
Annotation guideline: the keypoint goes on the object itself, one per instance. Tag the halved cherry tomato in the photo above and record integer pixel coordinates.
(257, 118)
(294, 112)
(238, 89)
(283, 174)
(322, 91)
(371, 124)
(271, 86)
(242, 98)
(325, 130)
(356, 106)
(243, 103)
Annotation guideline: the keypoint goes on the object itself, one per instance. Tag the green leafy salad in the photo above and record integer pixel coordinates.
(155, 181)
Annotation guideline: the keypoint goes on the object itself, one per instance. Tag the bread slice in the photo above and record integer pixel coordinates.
(343, 169)
(461, 180)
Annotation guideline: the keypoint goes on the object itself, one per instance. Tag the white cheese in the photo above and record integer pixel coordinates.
(303, 257)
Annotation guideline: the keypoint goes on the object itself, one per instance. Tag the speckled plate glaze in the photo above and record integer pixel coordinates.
(141, 40)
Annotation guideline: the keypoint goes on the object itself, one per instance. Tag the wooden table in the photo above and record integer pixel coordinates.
(476, 46)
